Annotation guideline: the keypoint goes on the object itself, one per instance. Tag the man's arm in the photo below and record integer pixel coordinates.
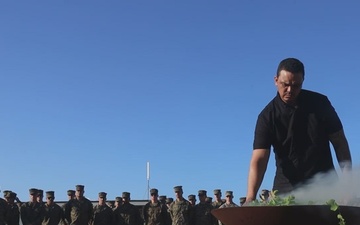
(342, 150)
(258, 165)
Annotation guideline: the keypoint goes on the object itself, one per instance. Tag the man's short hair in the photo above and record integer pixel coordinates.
(292, 65)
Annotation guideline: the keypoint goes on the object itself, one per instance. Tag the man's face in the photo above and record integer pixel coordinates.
(288, 85)
(154, 197)
(125, 200)
(102, 201)
(202, 198)
(178, 194)
(79, 193)
(33, 198)
(39, 198)
(49, 200)
(192, 201)
(217, 196)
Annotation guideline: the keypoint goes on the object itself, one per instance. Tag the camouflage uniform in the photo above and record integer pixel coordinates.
(31, 213)
(12, 214)
(53, 215)
(203, 214)
(216, 205)
(155, 213)
(3, 204)
(180, 212)
(127, 214)
(103, 215)
(79, 211)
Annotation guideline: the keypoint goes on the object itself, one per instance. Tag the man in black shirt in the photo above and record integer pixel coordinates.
(299, 125)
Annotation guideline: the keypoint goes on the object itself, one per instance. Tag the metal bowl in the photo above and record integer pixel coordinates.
(287, 215)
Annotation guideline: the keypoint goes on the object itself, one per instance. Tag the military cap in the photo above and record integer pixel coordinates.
(162, 198)
(80, 187)
(208, 199)
(154, 191)
(201, 192)
(217, 191)
(118, 199)
(229, 193)
(6, 192)
(192, 197)
(40, 192)
(242, 200)
(178, 188)
(33, 191)
(70, 192)
(126, 195)
(169, 200)
(50, 194)
(11, 195)
(102, 195)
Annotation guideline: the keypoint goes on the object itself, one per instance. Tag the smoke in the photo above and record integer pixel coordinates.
(344, 188)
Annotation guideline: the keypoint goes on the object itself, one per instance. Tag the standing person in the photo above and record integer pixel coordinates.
(70, 194)
(40, 197)
(127, 213)
(192, 200)
(79, 211)
(154, 213)
(242, 200)
(168, 202)
(218, 201)
(103, 214)
(229, 200)
(162, 199)
(180, 209)
(202, 211)
(3, 204)
(31, 212)
(12, 211)
(298, 124)
(53, 213)
(118, 203)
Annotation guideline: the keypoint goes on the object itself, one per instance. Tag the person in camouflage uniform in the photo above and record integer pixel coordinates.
(79, 211)
(208, 200)
(118, 203)
(3, 204)
(180, 209)
(127, 213)
(31, 212)
(168, 202)
(228, 203)
(218, 201)
(40, 197)
(70, 195)
(154, 213)
(202, 214)
(229, 200)
(162, 199)
(53, 213)
(12, 210)
(192, 200)
(242, 200)
(103, 214)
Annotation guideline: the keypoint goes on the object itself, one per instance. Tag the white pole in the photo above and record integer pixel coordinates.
(148, 178)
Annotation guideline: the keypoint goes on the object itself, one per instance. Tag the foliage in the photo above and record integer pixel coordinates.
(275, 200)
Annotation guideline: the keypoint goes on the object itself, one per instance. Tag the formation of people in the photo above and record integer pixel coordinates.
(78, 210)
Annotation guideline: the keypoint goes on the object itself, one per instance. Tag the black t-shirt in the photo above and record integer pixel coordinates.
(299, 137)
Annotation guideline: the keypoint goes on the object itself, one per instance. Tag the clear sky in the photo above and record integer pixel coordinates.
(92, 90)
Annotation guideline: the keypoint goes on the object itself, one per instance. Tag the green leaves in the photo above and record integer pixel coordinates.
(275, 200)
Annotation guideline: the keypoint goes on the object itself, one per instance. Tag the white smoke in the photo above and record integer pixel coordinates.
(344, 189)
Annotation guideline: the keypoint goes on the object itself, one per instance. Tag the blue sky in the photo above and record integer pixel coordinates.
(92, 90)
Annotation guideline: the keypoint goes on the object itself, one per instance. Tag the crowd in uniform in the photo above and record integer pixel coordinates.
(79, 210)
